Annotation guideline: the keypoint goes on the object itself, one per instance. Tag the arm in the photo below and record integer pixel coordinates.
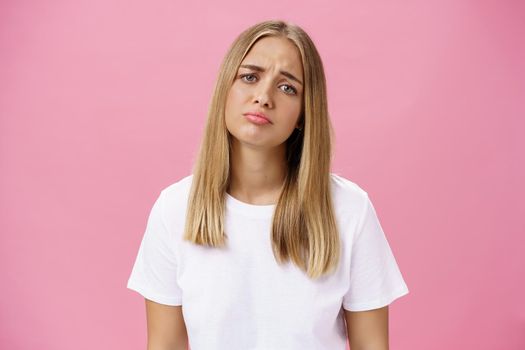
(166, 327)
(368, 330)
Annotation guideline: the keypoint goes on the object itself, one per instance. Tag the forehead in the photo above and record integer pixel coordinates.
(281, 52)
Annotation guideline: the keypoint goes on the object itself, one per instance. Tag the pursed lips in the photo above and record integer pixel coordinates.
(259, 114)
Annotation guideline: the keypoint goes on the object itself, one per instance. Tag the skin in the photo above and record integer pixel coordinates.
(166, 327)
(368, 330)
(258, 169)
(258, 166)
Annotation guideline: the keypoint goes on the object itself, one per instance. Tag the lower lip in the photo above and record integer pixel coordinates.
(255, 119)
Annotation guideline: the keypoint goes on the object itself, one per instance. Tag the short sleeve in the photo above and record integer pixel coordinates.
(375, 278)
(154, 271)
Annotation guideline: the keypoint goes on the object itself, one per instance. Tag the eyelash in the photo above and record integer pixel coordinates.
(251, 74)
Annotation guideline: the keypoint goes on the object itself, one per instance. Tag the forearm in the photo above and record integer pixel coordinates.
(162, 346)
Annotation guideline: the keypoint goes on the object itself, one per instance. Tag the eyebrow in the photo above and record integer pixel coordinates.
(261, 69)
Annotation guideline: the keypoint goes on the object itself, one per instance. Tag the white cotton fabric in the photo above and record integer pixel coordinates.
(240, 298)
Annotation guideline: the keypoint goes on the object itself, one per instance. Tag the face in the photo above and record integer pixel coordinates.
(268, 81)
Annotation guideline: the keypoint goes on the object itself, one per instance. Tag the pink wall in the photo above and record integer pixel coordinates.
(102, 104)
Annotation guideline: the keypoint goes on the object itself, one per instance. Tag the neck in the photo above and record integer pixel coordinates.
(257, 176)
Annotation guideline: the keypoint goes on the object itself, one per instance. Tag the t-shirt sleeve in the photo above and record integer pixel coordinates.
(154, 271)
(375, 278)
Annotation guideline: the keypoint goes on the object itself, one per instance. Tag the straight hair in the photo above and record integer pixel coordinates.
(304, 228)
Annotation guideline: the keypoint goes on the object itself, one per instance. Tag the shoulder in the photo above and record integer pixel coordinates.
(347, 195)
(181, 186)
(174, 198)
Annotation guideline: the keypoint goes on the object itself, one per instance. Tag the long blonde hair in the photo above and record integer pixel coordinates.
(304, 227)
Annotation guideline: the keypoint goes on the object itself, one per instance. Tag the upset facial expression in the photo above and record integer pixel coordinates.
(269, 81)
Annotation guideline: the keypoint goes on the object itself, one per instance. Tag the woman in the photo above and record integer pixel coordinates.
(262, 247)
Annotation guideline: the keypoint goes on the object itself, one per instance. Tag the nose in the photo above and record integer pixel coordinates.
(263, 95)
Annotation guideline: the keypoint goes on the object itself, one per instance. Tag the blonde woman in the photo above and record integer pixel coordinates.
(262, 247)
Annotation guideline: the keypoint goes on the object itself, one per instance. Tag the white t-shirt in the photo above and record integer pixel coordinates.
(240, 298)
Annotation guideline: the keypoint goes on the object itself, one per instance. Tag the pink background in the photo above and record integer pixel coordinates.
(103, 103)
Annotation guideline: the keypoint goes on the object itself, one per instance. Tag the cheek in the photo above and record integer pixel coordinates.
(237, 93)
(293, 109)
(233, 100)
(233, 107)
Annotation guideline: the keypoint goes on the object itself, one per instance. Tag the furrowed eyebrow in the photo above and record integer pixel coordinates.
(261, 69)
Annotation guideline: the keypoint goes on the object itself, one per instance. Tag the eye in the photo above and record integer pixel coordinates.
(291, 90)
(243, 76)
